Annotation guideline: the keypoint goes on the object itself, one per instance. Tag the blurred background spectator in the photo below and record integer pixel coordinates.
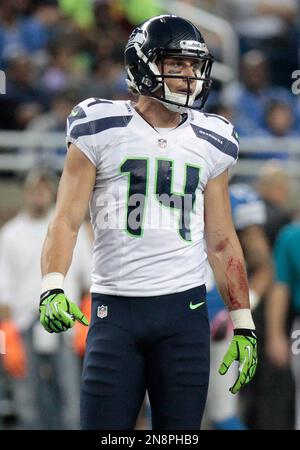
(250, 96)
(270, 26)
(276, 190)
(270, 402)
(23, 100)
(42, 368)
(283, 308)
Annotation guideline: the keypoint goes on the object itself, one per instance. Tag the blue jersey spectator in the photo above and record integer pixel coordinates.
(250, 96)
(19, 33)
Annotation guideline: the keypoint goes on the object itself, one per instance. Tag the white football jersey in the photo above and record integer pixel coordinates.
(147, 203)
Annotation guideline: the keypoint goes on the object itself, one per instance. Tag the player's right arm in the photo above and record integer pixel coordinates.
(75, 188)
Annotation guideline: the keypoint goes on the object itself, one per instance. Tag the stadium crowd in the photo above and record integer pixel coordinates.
(56, 53)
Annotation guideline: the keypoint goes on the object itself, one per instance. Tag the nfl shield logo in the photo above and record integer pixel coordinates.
(162, 143)
(102, 311)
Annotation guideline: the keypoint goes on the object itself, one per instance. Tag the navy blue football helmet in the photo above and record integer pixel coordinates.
(163, 37)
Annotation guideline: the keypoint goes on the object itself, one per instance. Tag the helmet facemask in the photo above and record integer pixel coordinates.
(176, 101)
(154, 80)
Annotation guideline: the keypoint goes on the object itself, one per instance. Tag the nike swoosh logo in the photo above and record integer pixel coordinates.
(196, 305)
(74, 113)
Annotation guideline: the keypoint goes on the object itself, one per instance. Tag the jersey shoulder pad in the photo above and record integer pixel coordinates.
(218, 131)
(97, 108)
(95, 115)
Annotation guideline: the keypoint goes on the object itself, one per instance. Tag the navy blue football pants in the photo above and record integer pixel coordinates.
(159, 344)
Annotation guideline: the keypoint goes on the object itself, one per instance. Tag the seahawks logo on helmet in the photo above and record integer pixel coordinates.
(137, 36)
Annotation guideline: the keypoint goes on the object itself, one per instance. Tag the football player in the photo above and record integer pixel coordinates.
(155, 175)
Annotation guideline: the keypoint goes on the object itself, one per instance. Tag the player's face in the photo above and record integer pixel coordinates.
(183, 67)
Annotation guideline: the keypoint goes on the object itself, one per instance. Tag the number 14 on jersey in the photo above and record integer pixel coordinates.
(137, 170)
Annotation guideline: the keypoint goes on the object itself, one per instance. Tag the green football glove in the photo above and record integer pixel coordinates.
(57, 313)
(243, 348)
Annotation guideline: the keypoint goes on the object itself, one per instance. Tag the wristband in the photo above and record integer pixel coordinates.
(53, 280)
(242, 318)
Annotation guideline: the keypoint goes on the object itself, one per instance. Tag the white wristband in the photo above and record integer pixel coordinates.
(53, 280)
(242, 318)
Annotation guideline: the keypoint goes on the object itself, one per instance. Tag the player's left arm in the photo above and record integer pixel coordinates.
(227, 261)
